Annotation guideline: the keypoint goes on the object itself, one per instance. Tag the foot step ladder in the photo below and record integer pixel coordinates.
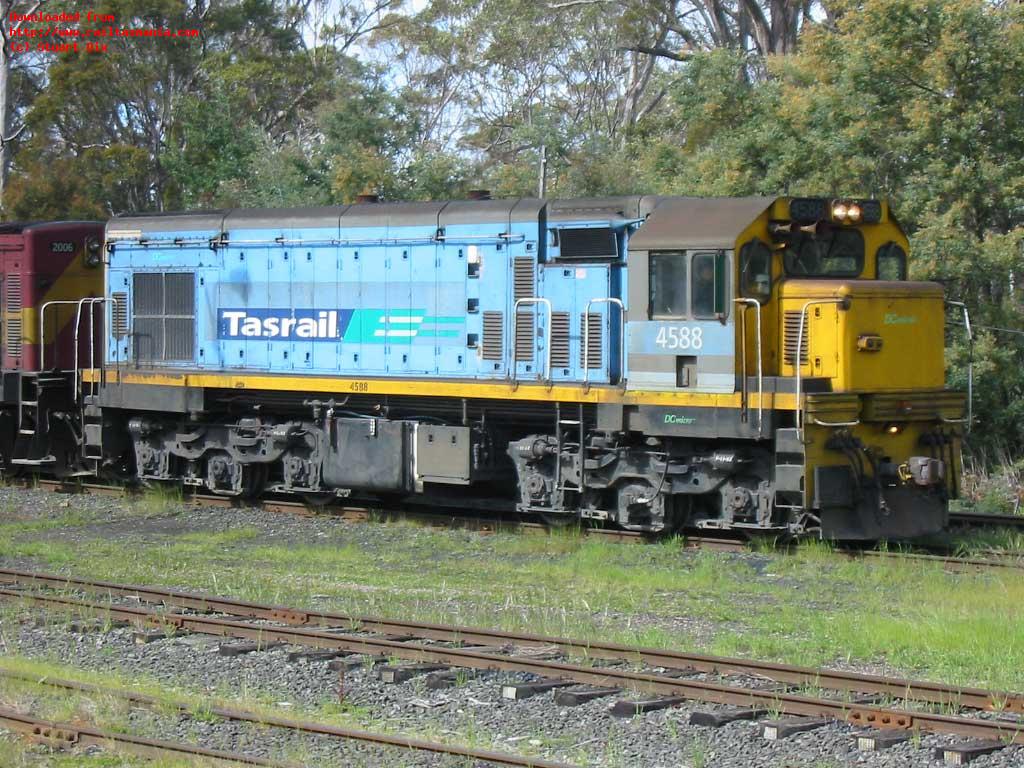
(33, 425)
(569, 433)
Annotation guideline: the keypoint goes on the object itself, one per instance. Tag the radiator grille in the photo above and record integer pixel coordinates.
(12, 297)
(559, 340)
(163, 311)
(791, 332)
(494, 336)
(593, 340)
(148, 294)
(120, 314)
(522, 277)
(524, 336)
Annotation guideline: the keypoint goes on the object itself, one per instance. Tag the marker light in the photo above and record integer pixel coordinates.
(893, 429)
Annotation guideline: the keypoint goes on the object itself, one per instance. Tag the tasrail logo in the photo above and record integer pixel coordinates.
(283, 324)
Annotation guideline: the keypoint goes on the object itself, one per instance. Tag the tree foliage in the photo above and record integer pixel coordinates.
(297, 102)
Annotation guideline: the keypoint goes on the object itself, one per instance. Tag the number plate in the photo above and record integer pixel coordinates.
(679, 336)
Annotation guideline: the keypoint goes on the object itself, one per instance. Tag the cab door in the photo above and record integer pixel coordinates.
(680, 333)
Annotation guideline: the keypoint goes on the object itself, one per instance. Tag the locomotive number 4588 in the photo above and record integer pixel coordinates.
(679, 337)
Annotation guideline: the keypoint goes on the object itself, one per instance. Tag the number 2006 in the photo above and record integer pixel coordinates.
(679, 337)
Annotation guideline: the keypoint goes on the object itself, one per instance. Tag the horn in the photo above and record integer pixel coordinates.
(810, 229)
(780, 228)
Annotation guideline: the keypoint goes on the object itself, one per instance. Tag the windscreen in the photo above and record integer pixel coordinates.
(828, 252)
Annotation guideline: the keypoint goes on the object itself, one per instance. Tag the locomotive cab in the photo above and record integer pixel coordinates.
(843, 424)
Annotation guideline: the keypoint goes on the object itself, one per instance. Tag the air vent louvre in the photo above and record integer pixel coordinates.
(120, 314)
(560, 340)
(593, 340)
(13, 301)
(494, 336)
(791, 332)
(522, 277)
(524, 336)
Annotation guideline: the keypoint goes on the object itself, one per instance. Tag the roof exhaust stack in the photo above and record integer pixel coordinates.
(368, 197)
(479, 194)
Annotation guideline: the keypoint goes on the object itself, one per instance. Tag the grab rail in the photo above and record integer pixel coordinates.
(586, 338)
(799, 367)
(970, 365)
(760, 373)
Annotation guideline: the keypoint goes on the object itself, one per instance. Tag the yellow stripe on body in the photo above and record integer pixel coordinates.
(443, 388)
(71, 285)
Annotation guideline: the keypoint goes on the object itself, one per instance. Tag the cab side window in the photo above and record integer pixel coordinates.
(709, 280)
(667, 281)
(892, 262)
(703, 299)
(756, 271)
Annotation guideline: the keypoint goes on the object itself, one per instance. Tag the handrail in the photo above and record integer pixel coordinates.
(970, 363)
(820, 423)
(42, 327)
(586, 338)
(92, 301)
(532, 300)
(799, 366)
(760, 372)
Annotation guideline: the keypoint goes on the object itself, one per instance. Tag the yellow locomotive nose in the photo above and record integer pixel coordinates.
(871, 342)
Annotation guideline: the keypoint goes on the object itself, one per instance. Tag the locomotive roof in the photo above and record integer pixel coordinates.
(397, 214)
(701, 222)
(18, 227)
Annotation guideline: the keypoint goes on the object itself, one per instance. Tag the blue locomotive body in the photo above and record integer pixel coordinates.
(484, 290)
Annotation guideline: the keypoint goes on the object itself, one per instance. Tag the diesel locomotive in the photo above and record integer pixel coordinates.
(754, 364)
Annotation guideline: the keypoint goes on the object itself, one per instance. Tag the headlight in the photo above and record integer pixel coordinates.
(839, 211)
(853, 212)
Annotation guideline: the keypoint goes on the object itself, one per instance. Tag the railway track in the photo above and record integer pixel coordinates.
(488, 525)
(71, 734)
(606, 669)
(67, 735)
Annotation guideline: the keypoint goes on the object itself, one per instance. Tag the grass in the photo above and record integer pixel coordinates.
(808, 608)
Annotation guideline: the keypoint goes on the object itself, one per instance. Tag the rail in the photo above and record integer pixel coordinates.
(760, 373)
(531, 301)
(586, 338)
(800, 368)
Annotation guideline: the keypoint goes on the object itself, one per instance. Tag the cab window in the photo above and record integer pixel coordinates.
(892, 262)
(756, 271)
(667, 275)
(828, 252)
(708, 285)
